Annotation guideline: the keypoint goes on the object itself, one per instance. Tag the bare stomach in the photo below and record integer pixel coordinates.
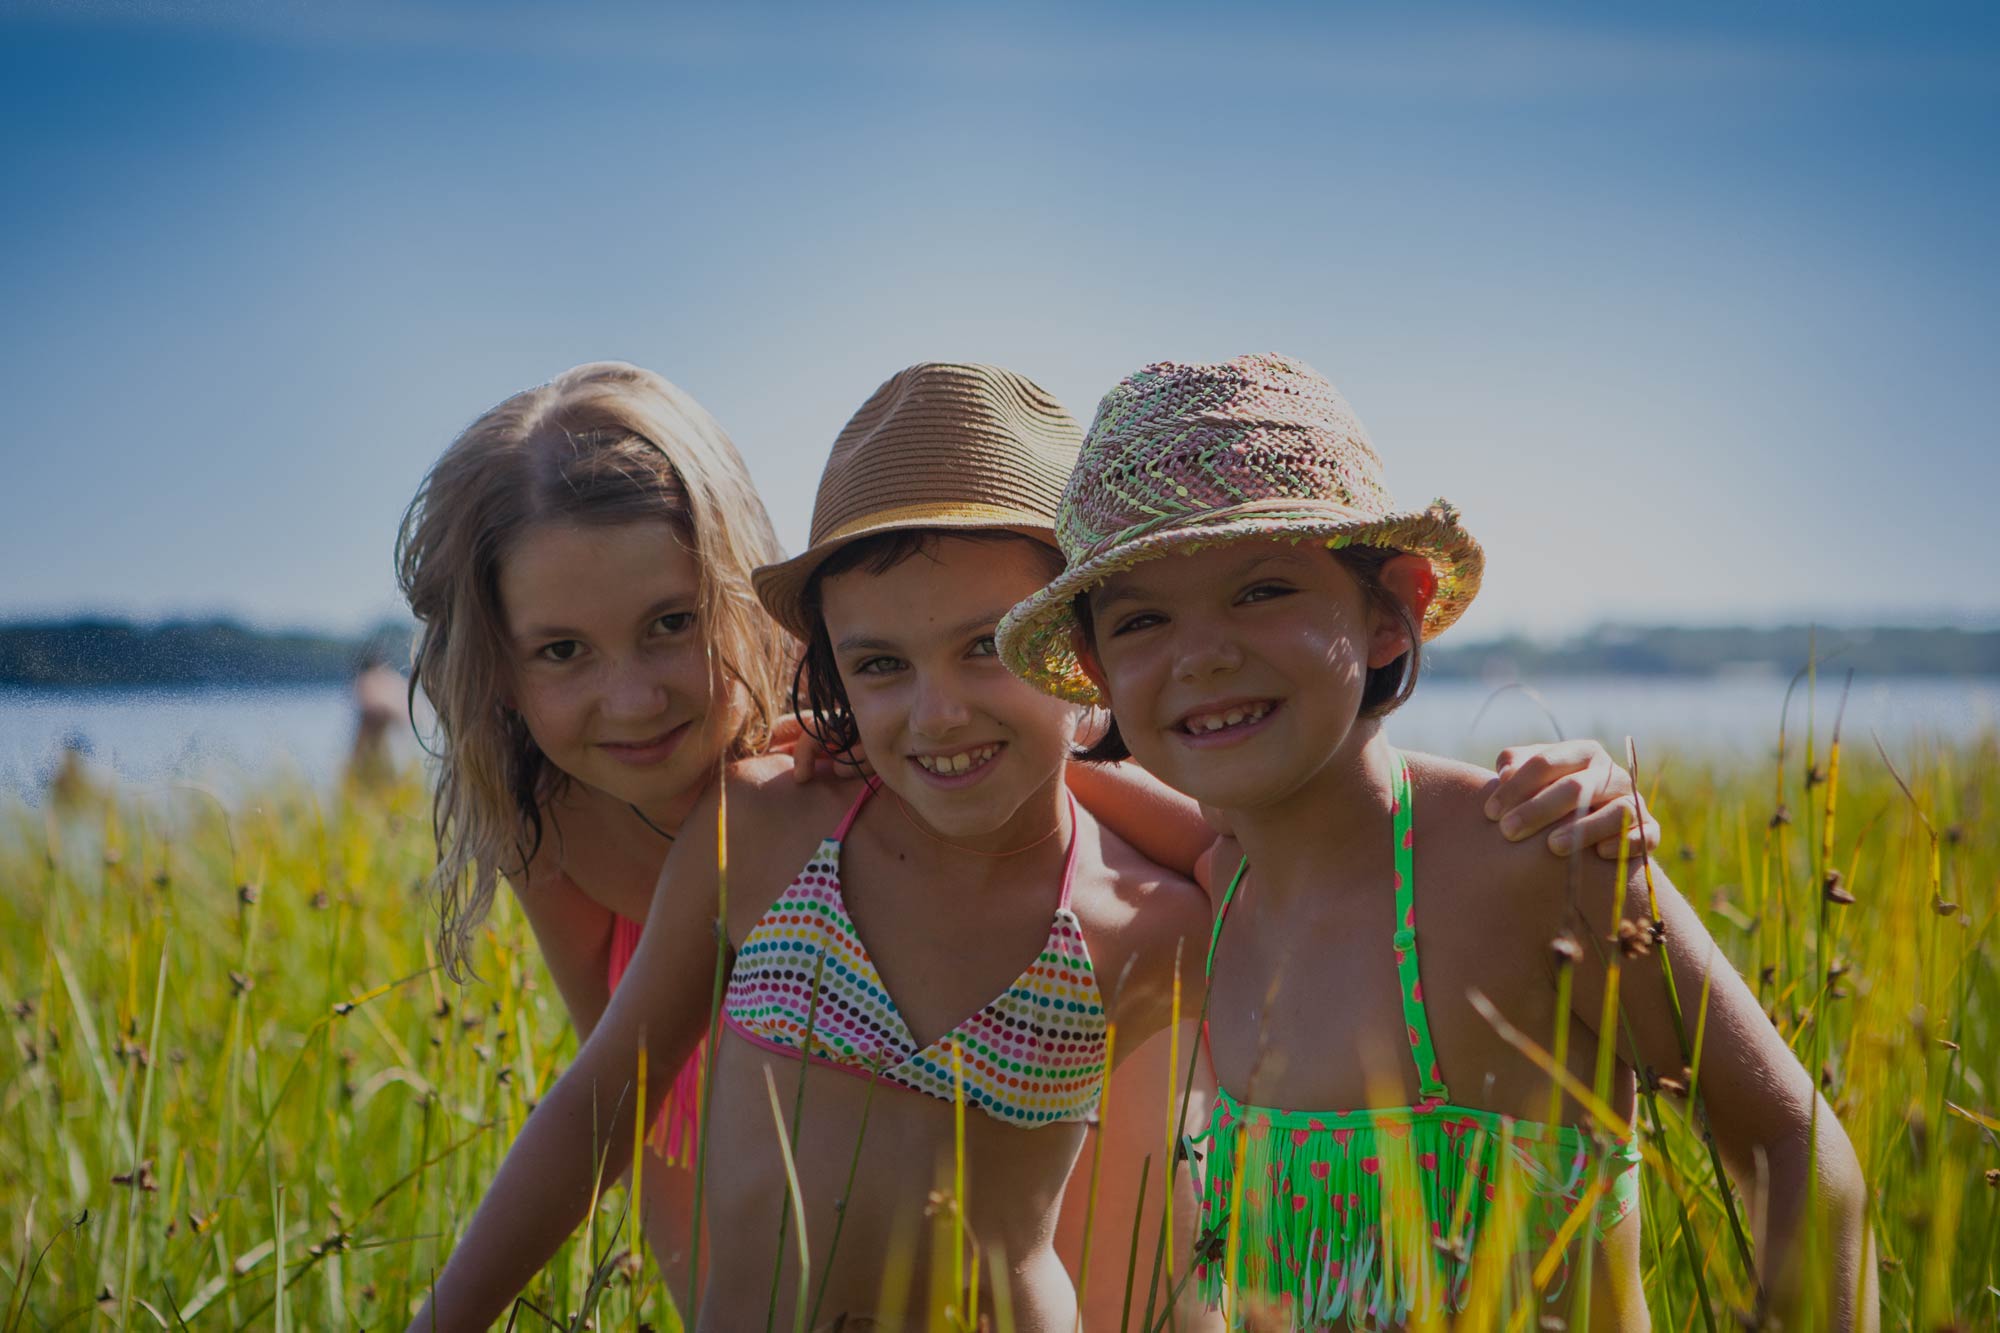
(887, 1237)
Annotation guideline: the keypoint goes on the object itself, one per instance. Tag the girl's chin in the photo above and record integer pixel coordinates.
(654, 790)
(1210, 783)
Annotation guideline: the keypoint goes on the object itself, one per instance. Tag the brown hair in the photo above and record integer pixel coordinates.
(817, 693)
(1386, 688)
(605, 443)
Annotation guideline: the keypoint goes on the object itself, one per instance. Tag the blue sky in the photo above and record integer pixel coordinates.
(1692, 314)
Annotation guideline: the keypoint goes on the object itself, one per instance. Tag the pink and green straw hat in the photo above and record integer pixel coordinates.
(1186, 456)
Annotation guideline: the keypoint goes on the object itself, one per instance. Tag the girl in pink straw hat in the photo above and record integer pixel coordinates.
(1246, 597)
(934, 516)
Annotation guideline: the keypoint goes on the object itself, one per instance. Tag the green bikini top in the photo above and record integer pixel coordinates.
(1374, 1214)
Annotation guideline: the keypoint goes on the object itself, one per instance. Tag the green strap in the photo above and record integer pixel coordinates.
(1416, 1022)
(1222, 913)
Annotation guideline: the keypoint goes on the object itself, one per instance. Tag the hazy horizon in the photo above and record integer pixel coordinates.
(1690, 312)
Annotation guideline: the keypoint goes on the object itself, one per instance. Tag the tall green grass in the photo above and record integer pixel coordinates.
(235, 1091)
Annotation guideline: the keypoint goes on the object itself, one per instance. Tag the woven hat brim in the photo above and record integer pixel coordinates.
(782, 587)
(1038, 638)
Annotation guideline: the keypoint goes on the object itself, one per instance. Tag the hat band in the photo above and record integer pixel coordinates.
(1207, 517)
(950, 513)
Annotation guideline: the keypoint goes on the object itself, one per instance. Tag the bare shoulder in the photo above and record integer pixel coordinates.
(1144, 925)
(1135, 904)
(1517, 881)
(768, 811)
(775, 824)
(763, 797)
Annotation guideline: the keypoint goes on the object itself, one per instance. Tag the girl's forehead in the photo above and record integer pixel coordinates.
(574, 564)
(1222, 561)
(952, 577)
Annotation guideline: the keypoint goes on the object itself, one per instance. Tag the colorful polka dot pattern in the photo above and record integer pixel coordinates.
(1033, 1056)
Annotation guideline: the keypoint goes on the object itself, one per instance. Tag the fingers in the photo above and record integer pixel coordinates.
(1625, 819)
(1527, 769)
(1563, 798)
(805, 758)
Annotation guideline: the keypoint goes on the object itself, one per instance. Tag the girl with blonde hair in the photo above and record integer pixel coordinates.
(579, 560)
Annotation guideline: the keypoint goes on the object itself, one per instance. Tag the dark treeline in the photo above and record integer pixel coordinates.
(1670, 650)
(105, 652)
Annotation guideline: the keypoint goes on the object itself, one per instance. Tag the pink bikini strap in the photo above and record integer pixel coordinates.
(1069, 862)
(854, 811)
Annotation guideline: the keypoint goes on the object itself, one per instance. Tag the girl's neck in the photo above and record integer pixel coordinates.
(1038, 832)
(665, 815)
(1338, 815)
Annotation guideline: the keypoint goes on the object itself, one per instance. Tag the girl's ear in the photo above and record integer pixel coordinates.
(1411, 581)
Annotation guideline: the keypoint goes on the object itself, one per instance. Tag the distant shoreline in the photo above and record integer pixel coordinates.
(111, 654)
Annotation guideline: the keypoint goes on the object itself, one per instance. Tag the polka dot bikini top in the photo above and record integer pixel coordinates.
(1032, 1056)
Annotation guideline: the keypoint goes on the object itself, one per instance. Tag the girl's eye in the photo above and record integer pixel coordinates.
(562, 650)
(985, 647)
(1264, 592)
(1140, 620)
(877, 666)
(675, 622)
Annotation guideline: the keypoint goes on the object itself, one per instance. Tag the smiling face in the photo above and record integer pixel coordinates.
(966, 744)
(607, 664)
(1237, 672)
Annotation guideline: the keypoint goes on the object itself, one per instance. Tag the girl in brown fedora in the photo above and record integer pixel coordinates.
(943, 811)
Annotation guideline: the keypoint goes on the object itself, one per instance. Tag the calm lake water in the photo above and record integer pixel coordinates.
(233, 738)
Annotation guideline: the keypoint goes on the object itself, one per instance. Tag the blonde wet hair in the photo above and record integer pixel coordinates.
(605, 443)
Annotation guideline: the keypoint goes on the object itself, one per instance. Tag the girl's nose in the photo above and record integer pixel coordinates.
(634, 693)
(938, 710)
(1203, 651)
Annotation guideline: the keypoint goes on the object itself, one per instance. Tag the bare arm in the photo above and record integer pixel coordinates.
(1134, 1132)
(579, 1138)
(1165, 826)
(1778, 1138)
(574, 933)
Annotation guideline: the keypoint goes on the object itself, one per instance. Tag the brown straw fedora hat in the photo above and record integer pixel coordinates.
(939, 445)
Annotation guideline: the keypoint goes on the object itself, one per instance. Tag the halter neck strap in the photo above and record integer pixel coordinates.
(1222, 915)
(868, 787)
(1416, 1020)
(1069, 861)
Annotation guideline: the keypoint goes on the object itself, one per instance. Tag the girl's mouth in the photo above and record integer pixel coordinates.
(645, 753)
(1222, 724)
(959, 768)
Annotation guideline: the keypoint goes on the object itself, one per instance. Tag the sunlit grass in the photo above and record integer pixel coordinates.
(235, 1092)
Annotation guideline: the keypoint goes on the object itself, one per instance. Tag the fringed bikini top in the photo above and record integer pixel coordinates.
(1372, 1216)
(804, 983)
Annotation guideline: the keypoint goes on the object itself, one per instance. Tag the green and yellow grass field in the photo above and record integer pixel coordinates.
(236, 1093)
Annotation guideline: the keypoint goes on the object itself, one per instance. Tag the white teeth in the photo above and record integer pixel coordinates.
(1227, 718)
(950, 765)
